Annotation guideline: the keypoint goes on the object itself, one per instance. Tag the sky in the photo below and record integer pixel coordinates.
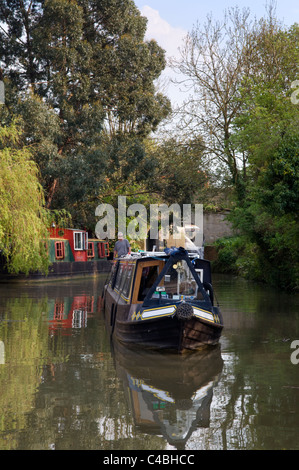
(169, 21)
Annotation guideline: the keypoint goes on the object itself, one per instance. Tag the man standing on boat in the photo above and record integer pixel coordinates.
(122, 246)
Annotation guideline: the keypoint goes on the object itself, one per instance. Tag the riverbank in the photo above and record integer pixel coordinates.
(236, 255)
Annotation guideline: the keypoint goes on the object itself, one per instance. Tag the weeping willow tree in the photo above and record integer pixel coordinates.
(23, 218)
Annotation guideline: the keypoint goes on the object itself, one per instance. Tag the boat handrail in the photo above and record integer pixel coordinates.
(143, 254)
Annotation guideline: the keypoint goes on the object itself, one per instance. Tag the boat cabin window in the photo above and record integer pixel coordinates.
(119, 277)
(178, 284)
(103, 249)
(80, 240)
(124, 279)
(90, 250)
(59, 250)
(148, 276)
(127, 281)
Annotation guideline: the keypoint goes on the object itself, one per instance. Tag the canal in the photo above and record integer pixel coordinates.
(64, 386)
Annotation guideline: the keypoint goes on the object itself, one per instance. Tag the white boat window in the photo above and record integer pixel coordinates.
(79, 240)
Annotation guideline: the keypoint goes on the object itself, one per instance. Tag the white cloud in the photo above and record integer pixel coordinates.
(170, 38)
(167, 36)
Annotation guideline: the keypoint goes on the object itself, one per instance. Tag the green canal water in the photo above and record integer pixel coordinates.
(64, 386)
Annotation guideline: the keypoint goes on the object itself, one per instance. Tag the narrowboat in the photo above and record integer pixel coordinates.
(162, 301)
(71, 254)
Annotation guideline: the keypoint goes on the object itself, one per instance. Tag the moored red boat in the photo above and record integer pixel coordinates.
(71, 254)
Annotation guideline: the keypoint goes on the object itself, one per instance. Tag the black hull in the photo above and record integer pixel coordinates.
(168, 333)
(66, 269)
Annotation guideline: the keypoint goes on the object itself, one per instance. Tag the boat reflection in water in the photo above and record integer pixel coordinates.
(70, 312)
(71, 306)
(169, 394)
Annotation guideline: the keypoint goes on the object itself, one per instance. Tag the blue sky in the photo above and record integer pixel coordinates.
(184, 13)
(170, 20)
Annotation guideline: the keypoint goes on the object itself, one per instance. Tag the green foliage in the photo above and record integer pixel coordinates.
(23, 220)
(236, 255)
(275, 264)
(177, 173)
(41, 129)
(267, 131)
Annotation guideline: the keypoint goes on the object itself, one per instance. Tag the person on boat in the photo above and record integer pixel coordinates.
(122, 246)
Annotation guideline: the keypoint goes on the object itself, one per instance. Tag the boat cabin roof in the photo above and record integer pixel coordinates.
(160, 276)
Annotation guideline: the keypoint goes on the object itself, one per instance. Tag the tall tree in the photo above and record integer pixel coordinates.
(267, 131)
(214, 58)
(179, 176)
(17, 52)
(241, 73)
(95, 75)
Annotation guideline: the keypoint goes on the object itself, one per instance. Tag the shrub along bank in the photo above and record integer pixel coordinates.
(237, 255)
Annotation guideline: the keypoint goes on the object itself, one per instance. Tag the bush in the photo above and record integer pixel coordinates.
(228, 249)
(237, 255)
